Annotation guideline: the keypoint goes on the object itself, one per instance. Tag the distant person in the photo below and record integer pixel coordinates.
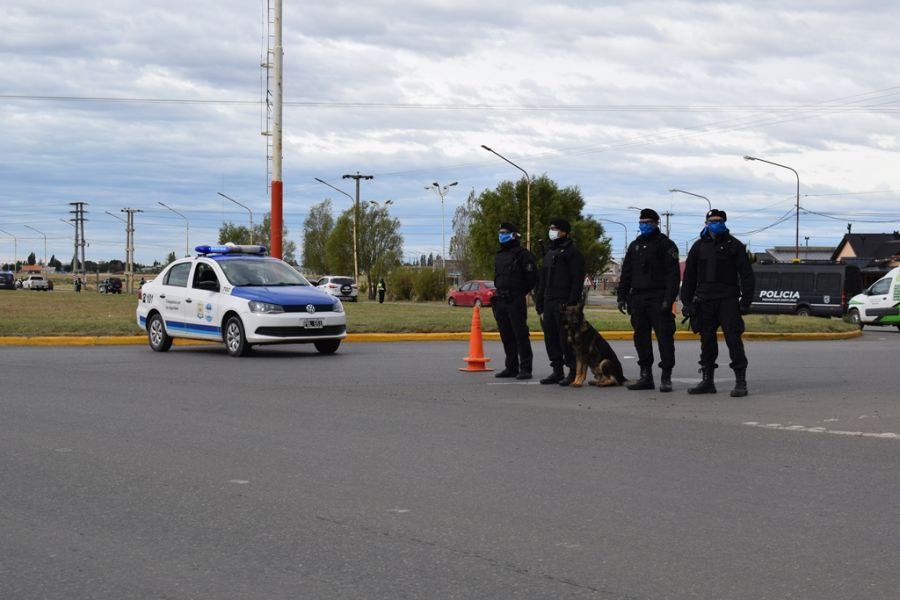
(717, 289)
(560, 284)
(515, 275)
(381, 290)
(143, 281)
(647, 290)
(78, 285)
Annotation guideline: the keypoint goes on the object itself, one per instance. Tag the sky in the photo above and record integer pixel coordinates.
(134, 103)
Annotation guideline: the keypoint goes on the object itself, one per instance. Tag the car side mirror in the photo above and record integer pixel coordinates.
(209, 286)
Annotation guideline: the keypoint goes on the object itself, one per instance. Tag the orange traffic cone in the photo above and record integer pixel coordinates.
(476, 357)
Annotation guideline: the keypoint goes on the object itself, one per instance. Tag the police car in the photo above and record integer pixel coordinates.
(237, 295)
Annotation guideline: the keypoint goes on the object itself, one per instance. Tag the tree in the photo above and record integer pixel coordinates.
(461, 249)
(171, 258)
(379, 244)
(54, 263)
(239, 234)
(31, 259)
(317, 227)
(548, 201)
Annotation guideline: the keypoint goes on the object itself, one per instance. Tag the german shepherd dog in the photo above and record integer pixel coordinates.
(591, 350)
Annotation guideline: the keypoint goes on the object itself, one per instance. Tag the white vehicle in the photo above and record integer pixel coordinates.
(880, 304)
(336, 285)
(237, 295)
(35, 282)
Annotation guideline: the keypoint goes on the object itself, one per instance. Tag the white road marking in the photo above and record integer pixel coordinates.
(881, 436)
(399, 511)
(239, 481)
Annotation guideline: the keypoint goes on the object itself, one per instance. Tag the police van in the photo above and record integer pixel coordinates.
(879, 304)
(805, 289)
(237, 295)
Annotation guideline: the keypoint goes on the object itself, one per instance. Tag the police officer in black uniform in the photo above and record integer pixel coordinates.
(717, 290)
(515, 275)
(647, 290)
(560, 284)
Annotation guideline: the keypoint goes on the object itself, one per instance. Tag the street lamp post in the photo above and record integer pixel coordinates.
(353, 205)
(380, 205)
(187, 228)
(15, 250)
(709, 204)
(442, 191)
(625, 251)
(797, 226)
(45, 242)
(245, 208)
(527, 196)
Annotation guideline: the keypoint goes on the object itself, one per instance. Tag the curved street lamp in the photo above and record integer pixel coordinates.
(527, 196)
(245, 208)
(797, 226)
(187, 228)
(442, 191)
(45, 242)
(693, 194)
(626, 233)
(353, 205)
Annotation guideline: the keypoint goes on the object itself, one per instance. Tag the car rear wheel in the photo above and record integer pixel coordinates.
(327, 346)
(235, 340)
(855, 318)
(803, 311)
(451, 302)
(160, 341)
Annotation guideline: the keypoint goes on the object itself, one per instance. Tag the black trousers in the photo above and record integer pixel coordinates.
(512, 321)
(648, 315)
(558, 350)
(724, 313)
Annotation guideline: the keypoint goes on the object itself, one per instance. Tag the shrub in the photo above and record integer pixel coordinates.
(430, 285)
(401, 284)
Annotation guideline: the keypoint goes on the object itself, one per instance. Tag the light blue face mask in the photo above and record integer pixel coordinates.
(716, 227)
(647, 228)
(506, 237)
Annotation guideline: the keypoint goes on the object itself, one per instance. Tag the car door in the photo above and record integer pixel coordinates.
(467, 294)
(877, 299)
(172, 295)
(202, 305)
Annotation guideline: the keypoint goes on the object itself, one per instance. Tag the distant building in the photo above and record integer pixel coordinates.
(783, 254)
(874, 253)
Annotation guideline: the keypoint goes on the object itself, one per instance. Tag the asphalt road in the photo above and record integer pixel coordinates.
(383, 472)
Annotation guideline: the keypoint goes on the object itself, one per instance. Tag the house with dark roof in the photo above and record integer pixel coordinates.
(874, 253)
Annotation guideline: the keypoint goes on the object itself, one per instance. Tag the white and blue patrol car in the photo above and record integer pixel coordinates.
(237, 295)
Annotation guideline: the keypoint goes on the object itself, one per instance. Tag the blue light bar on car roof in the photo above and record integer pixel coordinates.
(230, 248)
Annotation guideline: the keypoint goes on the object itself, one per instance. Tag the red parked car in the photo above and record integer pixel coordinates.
(473, 293)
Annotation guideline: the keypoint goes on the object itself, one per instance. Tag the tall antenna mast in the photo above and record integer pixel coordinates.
(274, 66)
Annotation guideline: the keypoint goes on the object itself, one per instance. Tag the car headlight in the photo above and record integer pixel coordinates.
(338, 307)
(264, 307)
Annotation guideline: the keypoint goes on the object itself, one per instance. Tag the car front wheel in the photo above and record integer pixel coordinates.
(327, 346)
(478, 302)
(235, 340)
(451, 302)
(160, 341)
(855, 318)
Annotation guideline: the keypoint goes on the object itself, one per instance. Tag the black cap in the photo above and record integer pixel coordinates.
(715, 212)
(649, 213)
(510, 227)
(562, 225)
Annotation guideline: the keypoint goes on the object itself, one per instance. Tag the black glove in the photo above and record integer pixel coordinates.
(539, 308)
(623, 307)
(745, 309)
(687, 310)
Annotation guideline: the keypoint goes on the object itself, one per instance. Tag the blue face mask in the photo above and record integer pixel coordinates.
(647, 228)
(505, 238)
(717, 227)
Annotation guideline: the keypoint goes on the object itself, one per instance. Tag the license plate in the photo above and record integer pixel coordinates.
(312, 323)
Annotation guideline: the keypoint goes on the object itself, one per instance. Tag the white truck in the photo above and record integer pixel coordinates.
(35, 282)
(879, 304)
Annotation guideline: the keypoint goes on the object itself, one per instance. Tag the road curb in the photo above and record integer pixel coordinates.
(130, 340)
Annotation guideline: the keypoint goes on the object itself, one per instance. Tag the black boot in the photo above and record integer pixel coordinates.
(665, 381)
(707, 384)
(554, 377)
(568, 379)
(507, 373)
(740, 383)
(645, 382)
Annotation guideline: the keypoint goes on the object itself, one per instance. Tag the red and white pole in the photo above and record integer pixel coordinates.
(277, 102)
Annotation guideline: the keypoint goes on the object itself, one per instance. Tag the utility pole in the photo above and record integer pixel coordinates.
(274, 66)
(78, 220)
(129, 247)
(667, 215)
(357, 177)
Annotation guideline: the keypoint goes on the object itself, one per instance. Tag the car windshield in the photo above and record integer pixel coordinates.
(260, 272)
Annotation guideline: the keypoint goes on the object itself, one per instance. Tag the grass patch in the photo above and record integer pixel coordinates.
(28, 313)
